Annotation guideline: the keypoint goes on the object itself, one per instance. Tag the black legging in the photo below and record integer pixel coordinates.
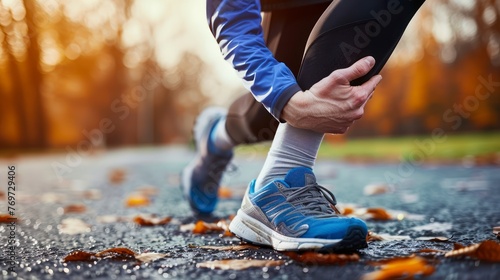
(345, 32)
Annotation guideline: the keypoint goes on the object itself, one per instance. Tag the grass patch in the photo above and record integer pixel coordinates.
(452, 147)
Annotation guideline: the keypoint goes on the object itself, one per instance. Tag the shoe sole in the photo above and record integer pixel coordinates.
(206, 118)
(253, 231)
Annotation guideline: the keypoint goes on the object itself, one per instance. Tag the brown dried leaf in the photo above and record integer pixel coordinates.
(433, 238)
(117, 176)
(202, 227)
(149, 257)
(73, 226)
(118, 253)
(322, 259)
(458, 246)
(347, 210)
(376, 189)
(137, 200)
(2, 195)
(239, 264)
(488, 250)
(496, 231)
(378, 214)
(74, 208)
(385, 237)
(149, 221)
(80, 256)
(401, 267)
(92, 194)
(428, 250)
(231, 247)
(6, 219)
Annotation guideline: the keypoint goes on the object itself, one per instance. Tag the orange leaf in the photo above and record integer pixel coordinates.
(117, 176)
(151, 220)
(238, 264)
(401, 267)
(2, 195)
(137, 200)
(347, 211)
(486, 251)
(376, 189)
(80, 256)
(378, 214)
(322, 259)
(116, 254)
(75, 208)
(225, 192)
(231, 247)
(202, 227)
(458, 246)
(6, 219)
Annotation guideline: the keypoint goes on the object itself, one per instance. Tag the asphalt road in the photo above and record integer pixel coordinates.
(460, 202)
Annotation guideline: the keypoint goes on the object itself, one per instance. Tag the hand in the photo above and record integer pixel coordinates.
(332, 104)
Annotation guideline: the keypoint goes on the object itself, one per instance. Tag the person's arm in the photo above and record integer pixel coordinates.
(236, 25)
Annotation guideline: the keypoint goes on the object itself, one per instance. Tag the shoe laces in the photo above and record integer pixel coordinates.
(313, 200)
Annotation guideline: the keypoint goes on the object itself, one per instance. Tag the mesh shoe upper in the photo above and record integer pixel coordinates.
(298, 207)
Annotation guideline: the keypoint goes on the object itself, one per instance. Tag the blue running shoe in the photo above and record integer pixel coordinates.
(296, 214)
(200, 179)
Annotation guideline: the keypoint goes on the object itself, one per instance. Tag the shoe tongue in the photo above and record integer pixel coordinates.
(299, 177)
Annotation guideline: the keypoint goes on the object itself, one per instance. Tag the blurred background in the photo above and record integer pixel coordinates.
(140, 71)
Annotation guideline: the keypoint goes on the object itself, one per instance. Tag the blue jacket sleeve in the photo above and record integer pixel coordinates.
(236, 25)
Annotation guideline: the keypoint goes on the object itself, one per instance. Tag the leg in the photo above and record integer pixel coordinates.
(291, 211)
(286, 33)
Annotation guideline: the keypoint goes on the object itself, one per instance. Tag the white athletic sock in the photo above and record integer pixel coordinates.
(292, 147)
(219, 137)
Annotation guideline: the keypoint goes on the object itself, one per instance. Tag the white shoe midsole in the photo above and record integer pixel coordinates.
(254, 231)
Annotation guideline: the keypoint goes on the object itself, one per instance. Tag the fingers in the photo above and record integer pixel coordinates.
(358, 69)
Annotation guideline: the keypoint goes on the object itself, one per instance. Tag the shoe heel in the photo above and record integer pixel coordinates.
(247, 232)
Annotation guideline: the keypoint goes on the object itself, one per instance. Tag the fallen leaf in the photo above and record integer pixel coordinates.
(148, 190)
(433, 238)
(458, 246)
(2, 195)
(385, 237)
(427, 250)
(238, 264)
(73, 226)
(150, 220)
(92, 194)
(231, 247)
(488, 250)
(225, 192)
(108, 219)
(400, 268)
(496, 231)
(7, 219)
(434, 227)
(80, 256)
(149, 257)
(74, 208)
(376, 189)
(117, 176)
(118, 253)
(322, 259)
(51, 198)
(201, 227)
(137, 200)
(379, 214)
